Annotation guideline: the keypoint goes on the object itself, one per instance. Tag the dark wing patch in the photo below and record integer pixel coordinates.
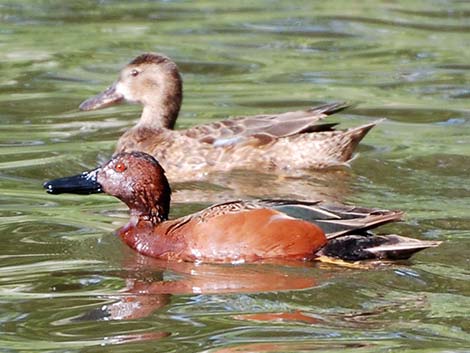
(335, 220)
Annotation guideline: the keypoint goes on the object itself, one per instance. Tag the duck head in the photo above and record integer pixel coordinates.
(135, 178)
(152, 80)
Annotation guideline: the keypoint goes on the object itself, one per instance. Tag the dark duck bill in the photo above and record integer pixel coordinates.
(237, 231)
(82, 184)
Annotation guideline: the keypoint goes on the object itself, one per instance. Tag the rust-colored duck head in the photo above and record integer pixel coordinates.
(135, 178)
(235, 231)
(152, 80)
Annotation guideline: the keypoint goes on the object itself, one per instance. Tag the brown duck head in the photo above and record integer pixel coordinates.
(152, 80)
(135, 178)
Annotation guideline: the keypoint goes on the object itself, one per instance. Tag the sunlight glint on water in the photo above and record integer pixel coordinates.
(68, 284)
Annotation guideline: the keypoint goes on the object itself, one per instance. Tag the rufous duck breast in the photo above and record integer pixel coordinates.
(236, 231)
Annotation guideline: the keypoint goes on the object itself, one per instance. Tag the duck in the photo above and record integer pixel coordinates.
(240, 231)
(288, 141)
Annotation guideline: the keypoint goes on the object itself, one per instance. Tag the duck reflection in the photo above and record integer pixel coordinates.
(333, 185)
(147, 290)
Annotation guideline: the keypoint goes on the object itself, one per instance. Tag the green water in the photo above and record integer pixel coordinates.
(62, 268)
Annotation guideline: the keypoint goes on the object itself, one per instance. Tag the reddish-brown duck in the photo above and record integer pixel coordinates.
(237, 231)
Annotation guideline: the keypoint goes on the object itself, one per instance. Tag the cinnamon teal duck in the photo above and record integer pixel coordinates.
(286, 141)
(236, 231)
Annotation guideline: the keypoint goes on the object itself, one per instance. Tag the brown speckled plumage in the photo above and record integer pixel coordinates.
(286, 141)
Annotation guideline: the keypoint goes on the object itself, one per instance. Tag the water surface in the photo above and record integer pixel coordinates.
(67, 284)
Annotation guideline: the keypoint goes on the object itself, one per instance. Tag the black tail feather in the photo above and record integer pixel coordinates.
(388, 247)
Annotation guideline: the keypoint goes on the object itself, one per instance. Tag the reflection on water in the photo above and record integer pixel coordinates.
(329, 185)
(68, 284)
(144, 293)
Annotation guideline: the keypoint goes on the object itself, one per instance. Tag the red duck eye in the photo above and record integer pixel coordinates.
(120, 167)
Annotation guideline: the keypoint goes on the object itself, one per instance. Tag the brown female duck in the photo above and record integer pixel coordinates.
(237, 231)
(291, 140)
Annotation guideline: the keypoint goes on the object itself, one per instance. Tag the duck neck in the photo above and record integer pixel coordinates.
(152, 203)
(155, 216)
(158, 118)
(162, 111)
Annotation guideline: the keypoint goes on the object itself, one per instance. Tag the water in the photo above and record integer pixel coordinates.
(67, 284)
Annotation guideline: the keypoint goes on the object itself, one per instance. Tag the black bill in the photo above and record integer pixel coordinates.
(109, 97)
(82, 184)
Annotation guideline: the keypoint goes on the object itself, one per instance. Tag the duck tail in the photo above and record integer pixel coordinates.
(385, 247)
(344, 143)
(350, 239)
(348, 230)
(357, 133)
(353, 136)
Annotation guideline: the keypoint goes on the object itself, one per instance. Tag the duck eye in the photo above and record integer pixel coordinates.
(134, 72)
(120, 167)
